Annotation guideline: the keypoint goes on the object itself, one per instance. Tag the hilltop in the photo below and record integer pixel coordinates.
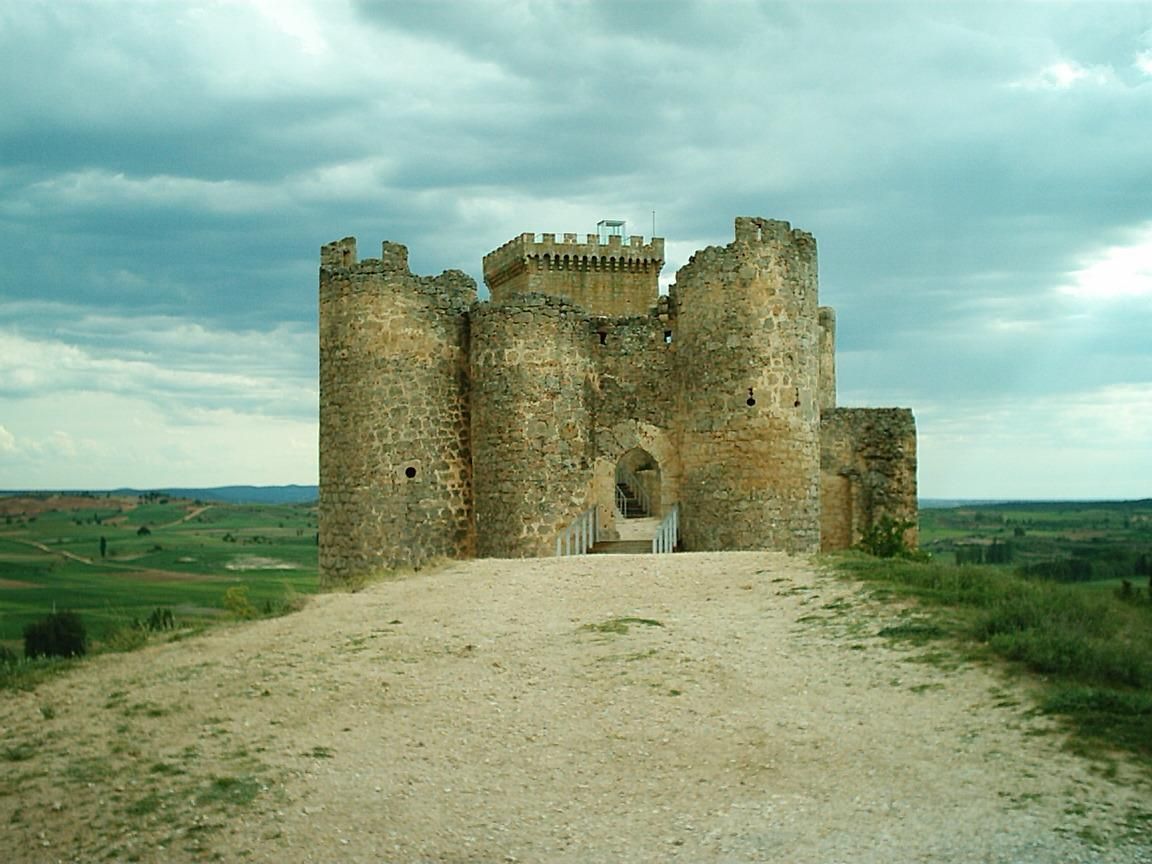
(720, 707)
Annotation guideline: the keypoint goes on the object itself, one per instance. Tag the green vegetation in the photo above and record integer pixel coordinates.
(131, 566)
(620, 626)
(1102, 543)
(61, 634)
(1090, 649)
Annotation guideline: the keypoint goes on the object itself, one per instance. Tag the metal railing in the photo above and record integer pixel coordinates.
(636, 487)
(668, 534)
(579, 536)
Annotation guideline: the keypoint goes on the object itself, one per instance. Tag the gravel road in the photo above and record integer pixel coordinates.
(732, 707)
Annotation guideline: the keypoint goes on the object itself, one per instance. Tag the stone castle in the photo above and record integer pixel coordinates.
(455, 427)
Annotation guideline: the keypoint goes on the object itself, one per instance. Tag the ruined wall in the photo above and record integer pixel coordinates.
(827, 323)
(868, 471)
(395, 468)
(531, 422)
(747, 363)
(610, 278)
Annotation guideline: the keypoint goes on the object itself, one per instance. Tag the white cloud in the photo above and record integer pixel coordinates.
(7, 441)
(1123, 270)
(172, 364)
(104, 440)
(1087, 444)
(95, 188)
(1064, 75)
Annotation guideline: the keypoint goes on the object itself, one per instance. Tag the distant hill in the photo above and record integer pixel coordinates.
(245, 494)
(226, 494)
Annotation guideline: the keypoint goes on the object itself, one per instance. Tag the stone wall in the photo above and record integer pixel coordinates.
(531, 422)
(747, 380)
(868, 472)
(612, 278)
(451, 427)
(827, 358)
(634, 404)
(395, 462)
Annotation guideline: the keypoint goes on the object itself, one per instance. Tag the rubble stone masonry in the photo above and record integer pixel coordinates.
(452, 427)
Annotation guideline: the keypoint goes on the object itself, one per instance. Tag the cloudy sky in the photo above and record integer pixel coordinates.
(978, 176)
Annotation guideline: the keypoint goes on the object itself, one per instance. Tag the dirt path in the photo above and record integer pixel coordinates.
(701, 708)
(187, 517)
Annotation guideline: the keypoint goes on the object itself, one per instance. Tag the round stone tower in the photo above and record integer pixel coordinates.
(395, 472)
(531, 422)
(748, 377)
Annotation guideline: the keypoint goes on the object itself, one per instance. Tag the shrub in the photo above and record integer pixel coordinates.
(61, 634)
(127, 637)
(236, 601)
(7, 656)
(160, 619)
(885, 539)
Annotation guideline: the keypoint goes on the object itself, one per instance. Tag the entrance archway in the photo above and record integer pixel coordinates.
(637, 485)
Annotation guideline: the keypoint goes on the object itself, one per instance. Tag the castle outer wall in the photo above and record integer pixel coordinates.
(395, 454)
(453, 427)
(748, 372)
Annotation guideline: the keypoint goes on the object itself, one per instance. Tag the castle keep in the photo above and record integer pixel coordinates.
(454, 427)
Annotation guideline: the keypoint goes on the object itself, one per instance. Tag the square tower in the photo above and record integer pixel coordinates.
(611, 275)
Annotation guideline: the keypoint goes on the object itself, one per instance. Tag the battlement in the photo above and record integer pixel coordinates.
(753, 229)
(547, 253)
(341, 255)
(616, 276)
(341, 273)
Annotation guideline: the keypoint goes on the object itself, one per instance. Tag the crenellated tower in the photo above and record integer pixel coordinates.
(395, 456)
(612, 275)
(748, 375)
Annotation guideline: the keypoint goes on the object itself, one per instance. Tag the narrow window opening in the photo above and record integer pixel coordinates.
(410, 472)
(751, 400)
(796, 404)
(667, 337)
(603, 337)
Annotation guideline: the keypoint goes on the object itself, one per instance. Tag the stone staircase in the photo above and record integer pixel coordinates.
(635, 537)
(628, 502)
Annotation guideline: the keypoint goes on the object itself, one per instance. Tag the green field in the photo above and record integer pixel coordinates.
(1098, 544)
(158, 552)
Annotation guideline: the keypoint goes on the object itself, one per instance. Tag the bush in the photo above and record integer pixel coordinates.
(885, 539)
(7, 656)
(61, 634)
(160, 618)
(236, 601)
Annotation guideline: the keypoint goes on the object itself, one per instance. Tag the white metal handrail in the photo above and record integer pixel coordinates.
(579, 536)
(668, 533)
(638, 489)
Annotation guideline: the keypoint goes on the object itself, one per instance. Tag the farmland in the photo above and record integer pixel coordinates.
(117, 558)
(1098, 544)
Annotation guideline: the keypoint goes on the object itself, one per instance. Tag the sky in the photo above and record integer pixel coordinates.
(978, 177)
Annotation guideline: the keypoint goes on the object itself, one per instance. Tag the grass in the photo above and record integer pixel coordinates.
(1091, 652)
(191, 555)
(620, 626)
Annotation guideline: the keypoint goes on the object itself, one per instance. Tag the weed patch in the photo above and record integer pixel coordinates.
(1094, 650)
(231, 791)
(620, 626)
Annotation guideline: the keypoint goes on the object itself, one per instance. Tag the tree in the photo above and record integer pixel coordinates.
(103, 546)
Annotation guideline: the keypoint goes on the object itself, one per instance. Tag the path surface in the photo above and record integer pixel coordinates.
(698, 707)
